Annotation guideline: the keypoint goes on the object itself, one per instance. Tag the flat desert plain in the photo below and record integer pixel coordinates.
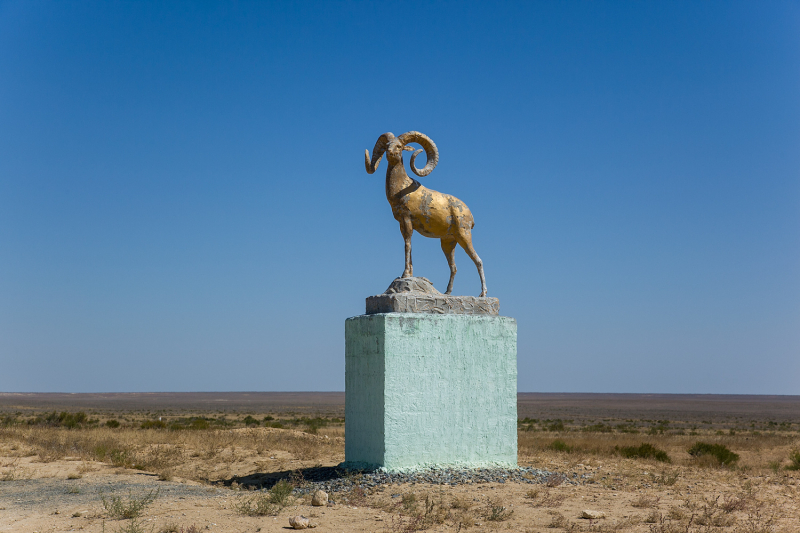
(243, 462)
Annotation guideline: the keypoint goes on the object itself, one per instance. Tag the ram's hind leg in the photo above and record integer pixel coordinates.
(449, 249)
(465, 240)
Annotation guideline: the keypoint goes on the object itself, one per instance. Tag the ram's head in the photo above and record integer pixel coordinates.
(394, 147)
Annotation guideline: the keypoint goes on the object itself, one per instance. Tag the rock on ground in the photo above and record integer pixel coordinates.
(298, 522)
(319, 498)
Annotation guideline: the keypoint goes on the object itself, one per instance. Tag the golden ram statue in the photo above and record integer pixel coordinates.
(431, 213)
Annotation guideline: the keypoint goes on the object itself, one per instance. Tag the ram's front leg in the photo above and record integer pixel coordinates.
(407, 229)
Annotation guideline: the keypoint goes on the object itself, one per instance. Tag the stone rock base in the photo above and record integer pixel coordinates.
(418, 295)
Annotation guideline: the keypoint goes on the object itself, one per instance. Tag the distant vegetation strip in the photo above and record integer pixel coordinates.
(656, 427)
(80, 419)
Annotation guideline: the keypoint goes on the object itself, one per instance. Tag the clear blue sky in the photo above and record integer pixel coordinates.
(184, 207)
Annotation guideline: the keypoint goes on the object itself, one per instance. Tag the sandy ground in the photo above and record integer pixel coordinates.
(53, 478)
(635, 496)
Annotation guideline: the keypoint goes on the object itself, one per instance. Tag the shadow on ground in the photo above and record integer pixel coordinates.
(258, 481)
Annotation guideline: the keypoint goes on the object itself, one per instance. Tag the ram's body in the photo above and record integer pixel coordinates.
(433, 214)
(430, 213)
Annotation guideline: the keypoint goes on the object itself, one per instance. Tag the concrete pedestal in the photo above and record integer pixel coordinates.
(430, 390)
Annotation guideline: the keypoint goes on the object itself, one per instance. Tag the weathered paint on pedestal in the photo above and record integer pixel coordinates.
(424, 390)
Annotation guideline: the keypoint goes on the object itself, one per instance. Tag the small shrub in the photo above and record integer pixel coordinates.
(739, 502)
(560, 446)
(199, 423)
(711, 514)
(409, 501)
(598, 428)
(120, 458)
(676, 513)
(133, 527)
(73, 420)
(545, 498)
(266, 503)
(112, 423)
(758, 521)
(257, 505)
(643, 451)
(250, 421)
(100, 451)
(153, 424)
(105, 452)
(120, 508)
(9, 420)
(794, 457)
(720, 452)
(496, 512)
(280, 492)
(424, 513)
(460, 503)
(313, 424)
(62, 419)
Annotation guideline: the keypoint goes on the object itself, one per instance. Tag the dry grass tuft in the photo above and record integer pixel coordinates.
(495, 511)
(119, 508)
(646, 502)
(418, 513)
(266, 503)
(555, 479)
(558, 520)
(794, 458)
(740, 502)
(545, 498)
(665, 478)
(461, 503)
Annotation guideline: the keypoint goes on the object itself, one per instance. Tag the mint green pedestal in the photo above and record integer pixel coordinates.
(430, 390)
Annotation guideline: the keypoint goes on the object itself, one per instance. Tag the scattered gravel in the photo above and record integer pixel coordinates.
(333, 479)
(55, 493)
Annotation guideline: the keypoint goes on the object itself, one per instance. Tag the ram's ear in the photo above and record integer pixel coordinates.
(408, 148)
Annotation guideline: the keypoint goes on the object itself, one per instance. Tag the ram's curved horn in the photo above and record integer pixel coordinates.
(377, 152)
(431, 152)
(414, 158)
